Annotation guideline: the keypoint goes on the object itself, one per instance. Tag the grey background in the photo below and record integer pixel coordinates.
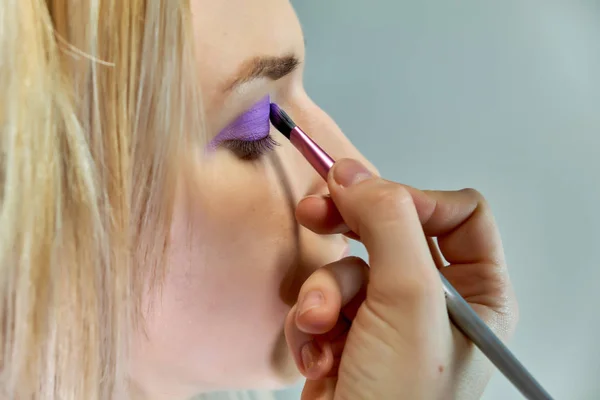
(502, 96)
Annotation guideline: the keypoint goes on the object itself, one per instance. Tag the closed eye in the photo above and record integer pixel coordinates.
(250, 150)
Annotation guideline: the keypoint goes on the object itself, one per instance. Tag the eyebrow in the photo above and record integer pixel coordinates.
(273, 68)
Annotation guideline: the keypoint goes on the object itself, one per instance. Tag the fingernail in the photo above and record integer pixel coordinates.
(311, 300)
(348, 172)
(310, 355)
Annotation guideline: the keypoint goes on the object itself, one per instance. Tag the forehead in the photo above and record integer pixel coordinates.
(227, 33)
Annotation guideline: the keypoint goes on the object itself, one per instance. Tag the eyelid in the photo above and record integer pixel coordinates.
(253, 124)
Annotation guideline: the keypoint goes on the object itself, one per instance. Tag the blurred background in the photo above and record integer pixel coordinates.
(500, 96)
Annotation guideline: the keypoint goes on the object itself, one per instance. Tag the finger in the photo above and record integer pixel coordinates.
(315, 321)
(468, 238)
(350, 310)
(463, 223)
(459, 218)
(326, 291)
(322, 389)
(384, 215)
(320, 215)
(313, 354)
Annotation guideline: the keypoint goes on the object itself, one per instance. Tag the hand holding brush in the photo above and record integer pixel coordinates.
(405, 326)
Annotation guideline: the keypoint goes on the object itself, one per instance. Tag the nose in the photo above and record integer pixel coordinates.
(323, 130)
(314, 250)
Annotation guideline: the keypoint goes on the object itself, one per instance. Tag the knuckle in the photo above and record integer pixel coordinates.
(479, 199)
(474, 194)
(493, 281)
(351, 273)
(504, 322)
(412, 290)
(390, 200)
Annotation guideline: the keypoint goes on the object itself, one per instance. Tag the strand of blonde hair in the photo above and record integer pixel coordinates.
(93, 117)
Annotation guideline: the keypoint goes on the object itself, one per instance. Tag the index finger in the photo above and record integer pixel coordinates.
(463, 223)
(461, 220)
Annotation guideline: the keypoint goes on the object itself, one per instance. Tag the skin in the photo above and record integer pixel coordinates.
(244, 245)
(238, 256)
(382, 331)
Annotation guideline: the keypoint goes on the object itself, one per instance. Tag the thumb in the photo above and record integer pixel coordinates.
(383, 215)
(404, 307)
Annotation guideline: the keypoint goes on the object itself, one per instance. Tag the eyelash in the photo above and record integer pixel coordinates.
(250, 150)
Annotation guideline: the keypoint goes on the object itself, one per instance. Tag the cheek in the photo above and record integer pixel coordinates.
(233, 236)
(239, 222)
(232, 242)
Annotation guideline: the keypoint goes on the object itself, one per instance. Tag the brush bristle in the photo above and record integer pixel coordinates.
(281, 120)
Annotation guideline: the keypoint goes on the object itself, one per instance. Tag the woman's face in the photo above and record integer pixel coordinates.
(238, 257)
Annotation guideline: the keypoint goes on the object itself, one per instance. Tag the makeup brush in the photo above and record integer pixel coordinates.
(315, 155)
(460, 312)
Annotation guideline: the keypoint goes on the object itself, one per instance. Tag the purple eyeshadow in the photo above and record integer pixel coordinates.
(251, 126)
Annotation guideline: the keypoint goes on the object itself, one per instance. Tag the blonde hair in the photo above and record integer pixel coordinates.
(97, 97)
